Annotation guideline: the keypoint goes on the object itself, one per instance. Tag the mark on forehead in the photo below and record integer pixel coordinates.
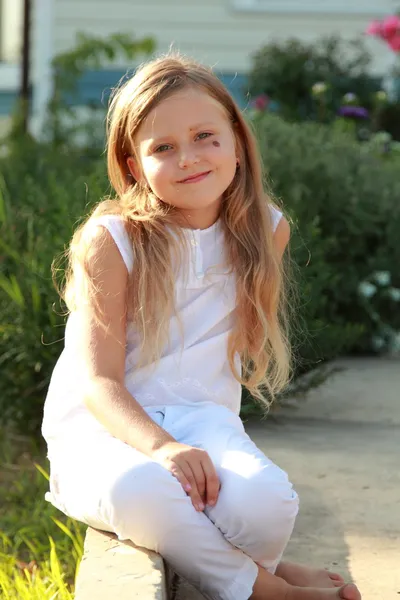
(216, 144)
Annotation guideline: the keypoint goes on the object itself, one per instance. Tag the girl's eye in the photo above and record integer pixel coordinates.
(204, 135)
(162, 148)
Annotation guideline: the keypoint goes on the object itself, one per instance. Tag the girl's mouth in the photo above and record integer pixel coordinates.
(195, 178)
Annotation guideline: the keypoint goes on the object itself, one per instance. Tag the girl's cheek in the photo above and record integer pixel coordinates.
(222, 147)
(155, 170)
(222, 152)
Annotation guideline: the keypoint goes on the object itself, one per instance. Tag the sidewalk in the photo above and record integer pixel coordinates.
(341, 448)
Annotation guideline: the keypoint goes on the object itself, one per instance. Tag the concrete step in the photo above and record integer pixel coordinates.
(114, 569)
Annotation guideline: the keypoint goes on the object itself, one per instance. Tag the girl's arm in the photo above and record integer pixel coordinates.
(101, 351)
(281, 236)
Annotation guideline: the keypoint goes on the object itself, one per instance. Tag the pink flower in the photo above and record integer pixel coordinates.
(390, 27)
(394, 43)
(261, 102)
(374, 28)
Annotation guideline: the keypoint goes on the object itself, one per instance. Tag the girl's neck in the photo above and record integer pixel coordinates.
(198, 219)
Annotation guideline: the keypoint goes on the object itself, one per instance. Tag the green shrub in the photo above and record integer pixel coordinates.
(388, 119)
(43, 194)
(344, 201)
(40, 548)
(286, 72)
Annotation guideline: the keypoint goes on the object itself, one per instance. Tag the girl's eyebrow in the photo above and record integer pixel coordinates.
(201, 125)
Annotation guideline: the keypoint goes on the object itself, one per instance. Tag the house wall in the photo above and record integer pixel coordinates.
(219, 32)
(42, 29)
(222, 33)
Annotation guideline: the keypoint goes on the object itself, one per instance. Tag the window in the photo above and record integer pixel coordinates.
(11, 13)
(355, 7)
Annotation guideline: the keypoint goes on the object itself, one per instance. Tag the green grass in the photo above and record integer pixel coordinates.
(40, 548)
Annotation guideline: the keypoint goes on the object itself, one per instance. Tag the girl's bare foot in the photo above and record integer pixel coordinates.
(346, 592)
(271, 587)
(302, 576)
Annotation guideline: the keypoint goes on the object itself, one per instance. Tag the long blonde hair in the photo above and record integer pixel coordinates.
(259, 333)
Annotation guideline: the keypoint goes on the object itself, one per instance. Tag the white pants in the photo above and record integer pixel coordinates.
(113, 487)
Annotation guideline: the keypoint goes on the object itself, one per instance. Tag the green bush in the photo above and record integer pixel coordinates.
(40, 548)
(344, 202)
(388, 119)
(286, 72)
(43, 194)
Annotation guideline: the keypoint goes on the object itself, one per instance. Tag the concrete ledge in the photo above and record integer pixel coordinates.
(114, 569)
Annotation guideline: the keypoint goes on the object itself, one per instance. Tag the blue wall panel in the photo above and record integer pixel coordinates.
(95, 87)
(7, 102)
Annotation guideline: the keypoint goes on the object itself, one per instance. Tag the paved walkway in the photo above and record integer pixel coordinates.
(341, 448)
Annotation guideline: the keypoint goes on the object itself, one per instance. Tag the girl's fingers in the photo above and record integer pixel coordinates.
(212, 482)
(200, 478)
(181, 477)
(193, 492)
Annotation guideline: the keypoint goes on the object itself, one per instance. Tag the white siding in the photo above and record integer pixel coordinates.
(213, 31)
(42, 51)
(356, 7)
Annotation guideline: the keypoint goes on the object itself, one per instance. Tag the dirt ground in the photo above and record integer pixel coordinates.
(341, 448)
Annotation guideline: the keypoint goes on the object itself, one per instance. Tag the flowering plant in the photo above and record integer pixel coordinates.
(260, 102)
(387, 30)
(379, 296)
(351, 108)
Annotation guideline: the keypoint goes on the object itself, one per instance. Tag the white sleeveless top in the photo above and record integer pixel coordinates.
(191, 373)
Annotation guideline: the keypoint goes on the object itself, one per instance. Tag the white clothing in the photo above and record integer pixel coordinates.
(193, 394)
(112, 487)
(195, 373)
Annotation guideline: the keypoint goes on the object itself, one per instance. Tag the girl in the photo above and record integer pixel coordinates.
(174, 291)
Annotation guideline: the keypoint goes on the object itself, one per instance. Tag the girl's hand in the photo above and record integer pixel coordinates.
(193, 468)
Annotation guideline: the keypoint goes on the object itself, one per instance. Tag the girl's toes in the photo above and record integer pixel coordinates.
(335, 575)
(336, 579)
(349, 592)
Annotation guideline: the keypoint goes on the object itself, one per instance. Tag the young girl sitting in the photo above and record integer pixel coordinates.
(175, 296)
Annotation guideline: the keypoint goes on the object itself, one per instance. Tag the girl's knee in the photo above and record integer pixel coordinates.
(266, 502)
(274, 503)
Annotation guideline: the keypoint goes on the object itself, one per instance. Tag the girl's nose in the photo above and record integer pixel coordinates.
(187, 158)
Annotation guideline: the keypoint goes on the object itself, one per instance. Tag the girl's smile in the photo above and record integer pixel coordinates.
(195, 178)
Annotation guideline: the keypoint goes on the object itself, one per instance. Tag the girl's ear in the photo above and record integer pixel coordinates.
(134, 168)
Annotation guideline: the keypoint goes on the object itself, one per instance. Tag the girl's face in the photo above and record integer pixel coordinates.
(187, 153)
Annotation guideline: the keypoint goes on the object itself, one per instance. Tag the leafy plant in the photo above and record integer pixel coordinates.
(381, 301)
(287, 71)
(89, 52)
(345, 211)
(40, 549)
(42, 196)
